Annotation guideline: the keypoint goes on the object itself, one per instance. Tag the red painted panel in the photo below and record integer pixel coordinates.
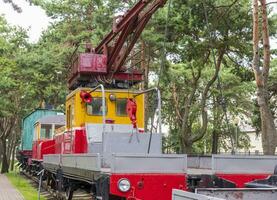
(80, 144)
(42, 147)
(241, 179)
(128, 76)
(58, 143)
(27, 153)
(148, 186)
(35, 149)
(67, 142)
(91, 62)
(46, 147)
(77, 144)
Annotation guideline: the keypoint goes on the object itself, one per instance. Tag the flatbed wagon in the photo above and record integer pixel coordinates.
(119, 160)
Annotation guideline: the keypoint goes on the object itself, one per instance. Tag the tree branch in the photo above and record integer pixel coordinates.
(204, 114)
(176, 103)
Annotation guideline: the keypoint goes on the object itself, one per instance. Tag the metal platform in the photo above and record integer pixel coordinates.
(89, 166)
(200, 161)
(118, 152)
(240, 194)
(226, 194)
(77, 166)
(183, 195)
(232, 164)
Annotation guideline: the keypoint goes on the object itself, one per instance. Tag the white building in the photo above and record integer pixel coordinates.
(255, 139)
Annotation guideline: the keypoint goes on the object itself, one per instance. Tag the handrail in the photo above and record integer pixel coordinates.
(103, 104)
(159, 104)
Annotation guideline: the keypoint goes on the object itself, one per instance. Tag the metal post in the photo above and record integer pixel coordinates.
(103, 104)
(236, 138)
(236, 122)
(103, 110)
(41, 173)
(159, 104)
(159, 113)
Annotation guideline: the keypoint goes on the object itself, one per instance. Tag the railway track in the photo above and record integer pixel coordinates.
(51, 194)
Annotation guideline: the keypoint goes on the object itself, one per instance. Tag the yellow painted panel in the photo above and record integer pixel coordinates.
(37, 131)
(80, 116)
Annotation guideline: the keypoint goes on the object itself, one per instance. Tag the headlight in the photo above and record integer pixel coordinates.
(124, 185)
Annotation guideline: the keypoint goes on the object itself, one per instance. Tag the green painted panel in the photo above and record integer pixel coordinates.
(28, 126)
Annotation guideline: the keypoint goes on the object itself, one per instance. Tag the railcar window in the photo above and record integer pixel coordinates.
(121, 107)
(59, 128)
(95, 107)
(46, 131)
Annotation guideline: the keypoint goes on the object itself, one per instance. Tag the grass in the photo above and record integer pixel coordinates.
(23, 186)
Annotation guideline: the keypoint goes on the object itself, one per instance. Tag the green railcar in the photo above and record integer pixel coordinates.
(28, 126)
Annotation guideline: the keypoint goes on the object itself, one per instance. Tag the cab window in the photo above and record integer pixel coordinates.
(95, 107)
(46, 131)
(121, 107)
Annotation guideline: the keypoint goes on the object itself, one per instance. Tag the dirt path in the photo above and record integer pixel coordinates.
(8, 191)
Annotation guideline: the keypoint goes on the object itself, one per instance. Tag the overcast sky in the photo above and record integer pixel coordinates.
(32, 18)
(35, 19)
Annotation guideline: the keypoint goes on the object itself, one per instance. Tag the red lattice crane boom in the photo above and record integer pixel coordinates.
(105, 63)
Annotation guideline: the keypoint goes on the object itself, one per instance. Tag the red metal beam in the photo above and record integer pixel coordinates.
(139, 26)
(129, 27)
(125, 21)
(114, 49)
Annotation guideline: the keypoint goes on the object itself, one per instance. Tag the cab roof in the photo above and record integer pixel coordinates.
(131, 91)
(52, 119)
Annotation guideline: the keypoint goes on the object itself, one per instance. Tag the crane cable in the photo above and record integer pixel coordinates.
(222, 102)
(163, 59)
(162, 65)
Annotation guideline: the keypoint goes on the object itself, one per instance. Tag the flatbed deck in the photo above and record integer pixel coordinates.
(197, 171)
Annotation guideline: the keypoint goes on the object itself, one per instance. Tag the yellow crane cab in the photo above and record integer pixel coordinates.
(102, 121)
(81, 111)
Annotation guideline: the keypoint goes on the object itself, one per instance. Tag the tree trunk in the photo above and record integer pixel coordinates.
(267, 124)
(13, 156)
(216, 124)
(187, 136)
(215, 137)
(5, 164)
(187, 149)
(1, 153)
(261, 77)
(9, 149)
